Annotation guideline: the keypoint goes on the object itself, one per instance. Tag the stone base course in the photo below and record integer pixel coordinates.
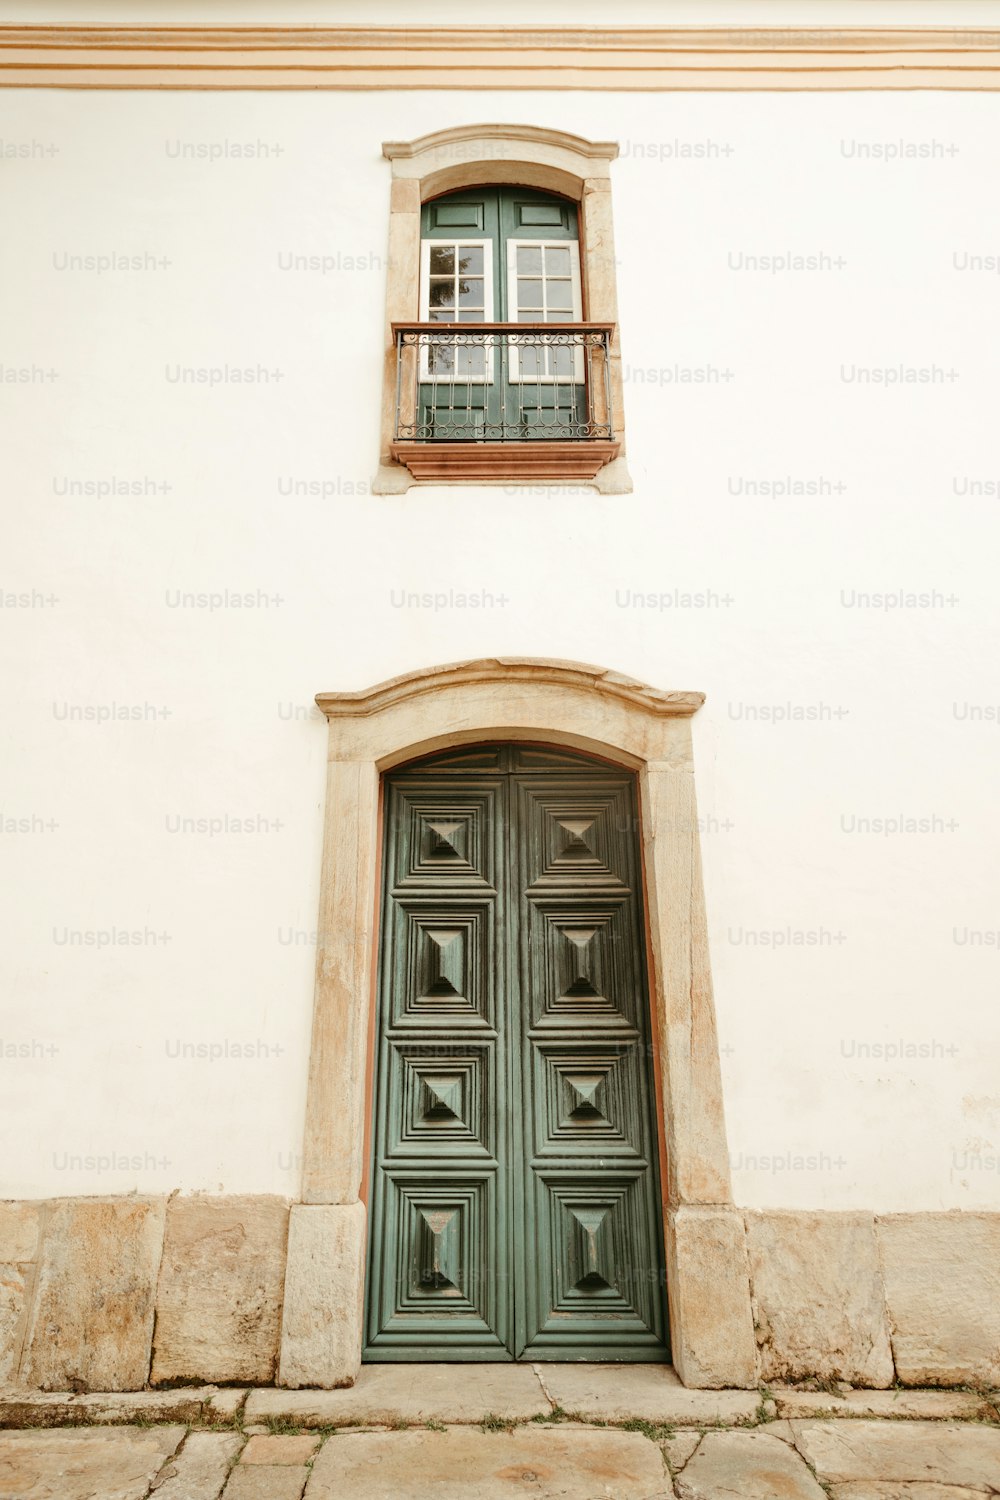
(819, 1307)
(942, 1286)
(241, 1293)
(218, 1302)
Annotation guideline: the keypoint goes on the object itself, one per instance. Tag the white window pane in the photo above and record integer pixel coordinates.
(470, 260)
(529, 293)
(532, 362)
(442, 260)
(470, 291)
(557, 262)
(529, 260)
(559, 294)
(442, 294)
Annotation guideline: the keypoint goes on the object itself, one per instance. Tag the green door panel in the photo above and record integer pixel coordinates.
(481, 393)
(515, 1206)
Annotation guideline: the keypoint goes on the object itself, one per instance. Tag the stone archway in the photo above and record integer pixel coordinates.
(628, 723)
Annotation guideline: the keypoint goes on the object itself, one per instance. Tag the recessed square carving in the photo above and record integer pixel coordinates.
(440, 1099)
(582, 1097)
(446, 954)
(443, 841)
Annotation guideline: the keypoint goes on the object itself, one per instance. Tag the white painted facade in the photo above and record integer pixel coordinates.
(857, 966)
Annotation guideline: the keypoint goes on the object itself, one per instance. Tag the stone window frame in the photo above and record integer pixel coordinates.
(631, 725)
(503, 155)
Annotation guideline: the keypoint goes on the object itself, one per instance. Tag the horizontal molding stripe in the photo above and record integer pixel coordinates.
(522, 57)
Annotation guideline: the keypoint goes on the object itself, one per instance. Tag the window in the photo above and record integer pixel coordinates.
(502, 355)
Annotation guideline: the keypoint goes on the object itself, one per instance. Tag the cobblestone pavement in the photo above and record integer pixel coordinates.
(586, 1432)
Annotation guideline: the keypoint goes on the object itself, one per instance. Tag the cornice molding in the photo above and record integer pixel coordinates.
(502, 671)
(490, 57)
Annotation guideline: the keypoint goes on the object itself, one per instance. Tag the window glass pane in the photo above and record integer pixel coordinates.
(470, 260)
(440, 359)
(531, 362)
(529, 293)
(470, 291)
(471, 315)
(439, 317)
(559, 294)
(561, 363)
(529, 260)
(556, 260)
(442, 260)
(558, 315)
(530, 315)
(442, 294)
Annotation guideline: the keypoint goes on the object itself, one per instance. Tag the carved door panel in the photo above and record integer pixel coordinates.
(515, 1202)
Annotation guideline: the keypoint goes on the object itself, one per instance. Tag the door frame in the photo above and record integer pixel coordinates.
(619, 720)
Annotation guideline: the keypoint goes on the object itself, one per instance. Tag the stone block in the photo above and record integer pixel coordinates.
(752, 1465)
(91, 1324)
(651, 1393)
(199, 1470)
(296, 1450)
(19, 1226)
(461, 1463)
(712, 1338)
(901, 1452)
(942, 1284)
(115, 1463)
(324, 1296)
(218, 1305)
(15, 1291)
(818, 1300)
(268, 1482)
(391, 1394)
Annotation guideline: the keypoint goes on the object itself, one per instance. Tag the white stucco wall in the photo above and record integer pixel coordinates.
(224, 727)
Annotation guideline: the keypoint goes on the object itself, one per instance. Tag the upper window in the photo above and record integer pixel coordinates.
(502, 352)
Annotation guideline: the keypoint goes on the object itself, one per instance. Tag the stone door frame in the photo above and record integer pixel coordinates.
(620, 720)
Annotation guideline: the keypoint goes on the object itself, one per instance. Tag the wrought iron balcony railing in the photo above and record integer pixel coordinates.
(503, 382)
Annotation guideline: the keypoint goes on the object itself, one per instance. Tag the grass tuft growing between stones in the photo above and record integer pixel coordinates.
(492, 1423)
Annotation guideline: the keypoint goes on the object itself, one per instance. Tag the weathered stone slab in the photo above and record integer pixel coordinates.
(91, 1325)
(942, 1282)
(227, 1403)
(58, 1409)
(926, 1452)
(324, 1295)
(114, 1463)
(819, 1305)
(872, 1490)
(280, 1450)
(711, 1323)
(199, 1470)
(680, 1448)
(384, 1394)
(15, 1291)
(268, 1482)
(541, 1462)
(927, 1406)
(19, 1223)
(218, 1305)
(751, 1465)
(614, 1393)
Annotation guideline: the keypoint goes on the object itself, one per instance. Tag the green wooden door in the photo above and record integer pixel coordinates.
(506, 255)
(515, 1207)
